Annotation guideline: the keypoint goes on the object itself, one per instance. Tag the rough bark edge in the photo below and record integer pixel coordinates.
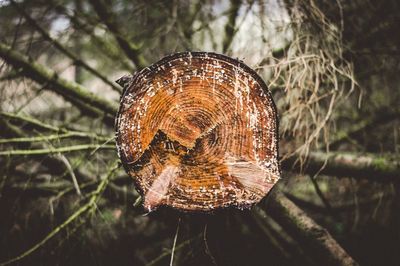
(212, 55)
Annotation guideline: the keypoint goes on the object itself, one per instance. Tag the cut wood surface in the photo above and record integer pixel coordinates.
(198, 131)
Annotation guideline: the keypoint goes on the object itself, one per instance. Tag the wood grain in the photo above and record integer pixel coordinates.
(198, 131)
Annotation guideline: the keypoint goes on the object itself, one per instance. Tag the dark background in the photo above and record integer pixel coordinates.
(333, 70)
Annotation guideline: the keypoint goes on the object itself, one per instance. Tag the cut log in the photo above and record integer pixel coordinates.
(198, 131)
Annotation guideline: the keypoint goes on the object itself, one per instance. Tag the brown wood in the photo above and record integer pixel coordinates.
(198, 131)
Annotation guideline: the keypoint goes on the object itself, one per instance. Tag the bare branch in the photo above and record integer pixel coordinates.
(77, 61)
(31, 121)
(89, 206)
(52, 163)
(178, 247)
(132, 51)
(366, 124)
(286, 213)
(56, 150)
(231, 24)
(104, 46)
(71, 91)
(54, 137)
(347, 164)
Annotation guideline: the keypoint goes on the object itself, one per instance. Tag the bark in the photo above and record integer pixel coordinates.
(304, 228)
(179, 136)
(78, 95)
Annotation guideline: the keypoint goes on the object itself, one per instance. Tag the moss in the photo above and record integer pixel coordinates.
(381, 164)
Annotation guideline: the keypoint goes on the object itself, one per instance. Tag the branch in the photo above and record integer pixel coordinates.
(31, 121)
(68, 134)
(230, 25)
(54, 137)
(348, 206)
(169, 252)
(57, 150)
(58, 189)
(54, 164)
(9, 130)
(280, 238)
(347, 164)
(37, 124)
(187, 25)
(38, 189)
(380, 117)
(90, 205)
(131, 50)
(317, 238)
(71, 91)
(58, 45)
(106, 47)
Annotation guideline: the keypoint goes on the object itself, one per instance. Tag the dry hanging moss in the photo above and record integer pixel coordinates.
(309, 79)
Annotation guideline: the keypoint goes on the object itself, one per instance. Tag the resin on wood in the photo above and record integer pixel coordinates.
(198, 131)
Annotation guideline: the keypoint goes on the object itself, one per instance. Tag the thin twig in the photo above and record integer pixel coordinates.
(70, 134)
(131, 50)
(208, 251)
(168, 252)
(230, 27)
(75, 93)
(77, 61)
(30, 120)
(71, 172)
(56, 150)
(173, 247)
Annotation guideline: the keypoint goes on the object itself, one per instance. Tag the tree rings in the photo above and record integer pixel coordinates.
(198, 131)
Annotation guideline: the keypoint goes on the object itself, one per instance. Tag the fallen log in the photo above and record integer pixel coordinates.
(316, 238)
(346, 164)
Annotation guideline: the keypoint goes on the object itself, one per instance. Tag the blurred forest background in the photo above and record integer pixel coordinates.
(332, 67)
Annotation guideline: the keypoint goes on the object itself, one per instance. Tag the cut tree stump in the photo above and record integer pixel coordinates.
(198, 131)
